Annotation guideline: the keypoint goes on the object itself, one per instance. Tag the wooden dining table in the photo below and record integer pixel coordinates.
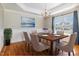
(52, 38)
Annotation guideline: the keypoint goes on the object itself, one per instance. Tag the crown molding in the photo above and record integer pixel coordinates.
(28, 9)
(20, 12)
(67, 9)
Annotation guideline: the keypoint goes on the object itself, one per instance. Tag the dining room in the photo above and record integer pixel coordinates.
(39, 29)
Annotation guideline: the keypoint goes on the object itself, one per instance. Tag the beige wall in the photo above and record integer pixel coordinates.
(1, 16)
(1, 25)
(48, 23)
(13, 19)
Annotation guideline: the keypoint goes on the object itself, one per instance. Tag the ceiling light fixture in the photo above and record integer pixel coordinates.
(46, 14)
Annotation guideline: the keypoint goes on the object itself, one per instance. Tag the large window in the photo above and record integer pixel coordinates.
(58, 24)
(64, 23)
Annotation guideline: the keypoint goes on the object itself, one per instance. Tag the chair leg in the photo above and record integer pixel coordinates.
(62, 51)
(39, 40)
(47, 51)
(73, 53)
(68, 53)
(32, 51)
(26, 46)
(29, 47)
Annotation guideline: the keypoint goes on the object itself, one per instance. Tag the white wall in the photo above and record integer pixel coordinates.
(13, 19)
(48, 23)
(1, 16)
(1, 25)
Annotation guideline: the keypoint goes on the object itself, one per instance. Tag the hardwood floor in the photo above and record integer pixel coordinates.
(76, 50)
(19, 49)
(15, 49)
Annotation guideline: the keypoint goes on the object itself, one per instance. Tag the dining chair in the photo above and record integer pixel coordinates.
(27, 40)
(69, 46)
(64, 39)
(36, 45)
(34, 32)
(42, 40)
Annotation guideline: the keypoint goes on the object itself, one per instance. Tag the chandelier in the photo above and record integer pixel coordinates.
(46, 14)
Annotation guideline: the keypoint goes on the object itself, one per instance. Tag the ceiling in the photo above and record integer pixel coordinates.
(42, 6)
(37, 8)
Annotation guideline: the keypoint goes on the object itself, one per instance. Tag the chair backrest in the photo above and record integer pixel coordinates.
(60, 32)
(72, 40)
(34, 32)
(34, 41)
(26, 37)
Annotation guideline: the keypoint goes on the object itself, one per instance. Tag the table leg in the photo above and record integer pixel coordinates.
(57, 50)
(39, 39)
(51, 48)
